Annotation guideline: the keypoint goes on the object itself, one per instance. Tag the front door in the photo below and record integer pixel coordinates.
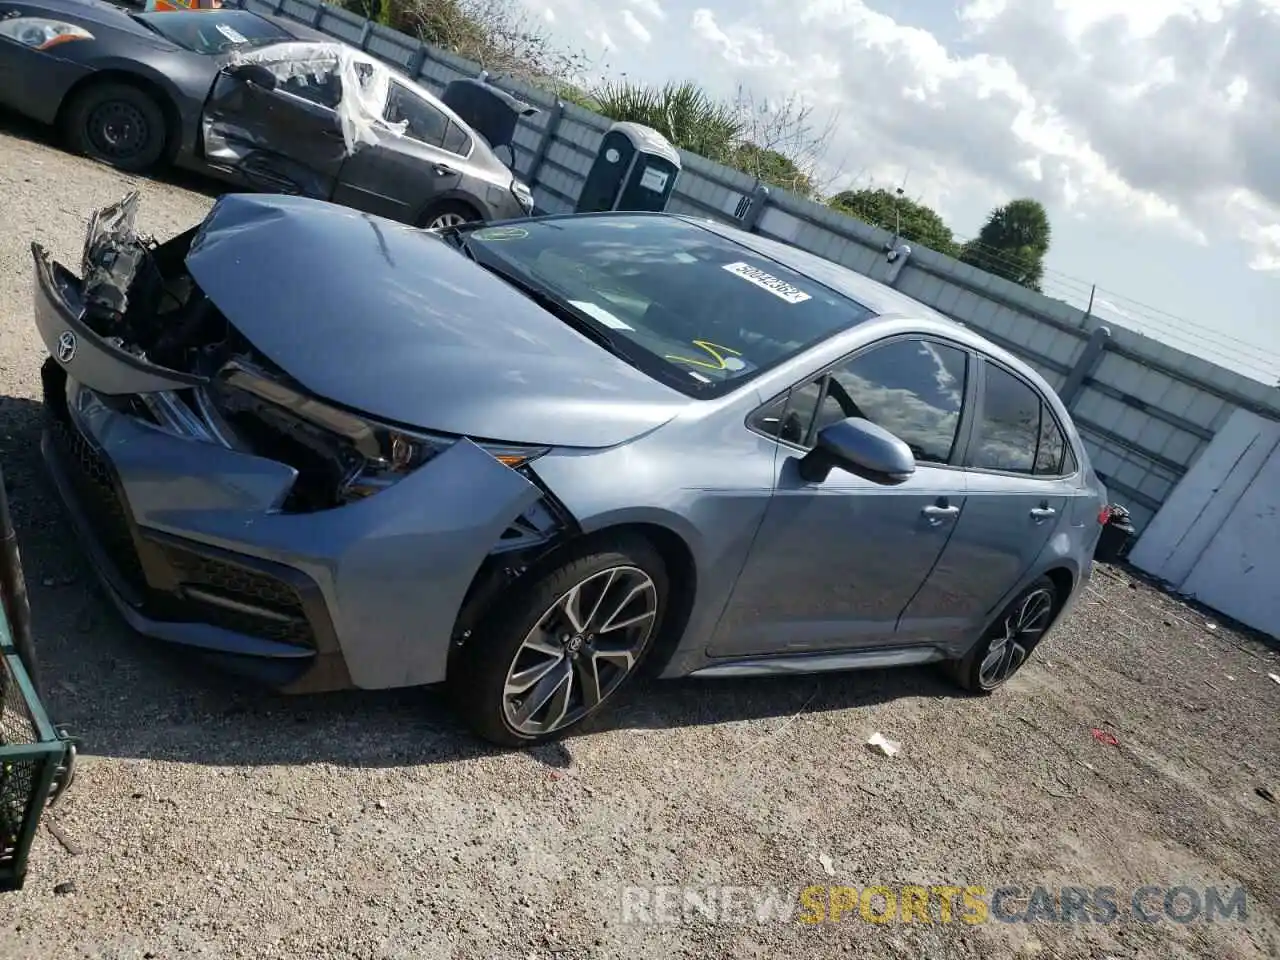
(835, 563)
(1020, 469)
(286, 140)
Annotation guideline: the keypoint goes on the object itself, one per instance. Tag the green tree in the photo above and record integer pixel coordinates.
(913, 221)
(1012, 243)
(771, 166)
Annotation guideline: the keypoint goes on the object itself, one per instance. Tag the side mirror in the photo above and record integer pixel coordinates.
(863, 449)
(254, 73)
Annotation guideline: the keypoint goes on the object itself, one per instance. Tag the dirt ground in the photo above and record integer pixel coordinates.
(216, 821)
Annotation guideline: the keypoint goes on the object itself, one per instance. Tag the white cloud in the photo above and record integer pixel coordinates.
(1164, 111)
(649, 8)
(635, 27)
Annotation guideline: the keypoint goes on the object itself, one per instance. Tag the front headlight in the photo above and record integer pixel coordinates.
(401, 453)
(41, 33)
(523, 195)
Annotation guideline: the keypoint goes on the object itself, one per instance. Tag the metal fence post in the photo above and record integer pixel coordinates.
(759, 203)
(367, 29)
(544, 145)
(318, 15)
(1084, 366)
(419, 58)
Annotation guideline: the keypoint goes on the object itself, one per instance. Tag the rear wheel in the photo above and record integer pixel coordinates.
(451, 213)
(119, 124)
(554, 653)
(1009, 642)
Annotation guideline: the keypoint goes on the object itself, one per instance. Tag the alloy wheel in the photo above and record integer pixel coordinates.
(446, 220)
(1020, 631)
(580, 650)
(118, 129)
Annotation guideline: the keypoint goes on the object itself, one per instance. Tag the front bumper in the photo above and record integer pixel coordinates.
(185, 537)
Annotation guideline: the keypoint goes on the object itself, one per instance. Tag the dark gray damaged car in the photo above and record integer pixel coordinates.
(260, 102)
(524, 460)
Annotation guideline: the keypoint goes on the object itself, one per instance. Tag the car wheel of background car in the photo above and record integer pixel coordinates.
(1008, 643)
(119, 124)
(555, 652)
(451, 213)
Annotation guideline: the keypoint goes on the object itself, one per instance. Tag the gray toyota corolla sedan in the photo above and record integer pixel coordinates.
(523, 460)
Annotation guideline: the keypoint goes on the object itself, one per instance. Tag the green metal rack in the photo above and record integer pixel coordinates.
(37, 760)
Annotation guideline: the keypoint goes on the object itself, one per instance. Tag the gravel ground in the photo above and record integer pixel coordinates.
(215, 821)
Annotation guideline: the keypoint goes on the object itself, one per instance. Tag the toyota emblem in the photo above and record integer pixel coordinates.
(66, 346)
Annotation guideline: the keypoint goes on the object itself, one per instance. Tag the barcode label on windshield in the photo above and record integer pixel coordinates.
(767, 281)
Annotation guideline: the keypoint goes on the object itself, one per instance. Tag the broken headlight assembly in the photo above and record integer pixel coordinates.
(402, 452)
(340, 456)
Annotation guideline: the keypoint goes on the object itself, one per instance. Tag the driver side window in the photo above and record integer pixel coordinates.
(912, 387)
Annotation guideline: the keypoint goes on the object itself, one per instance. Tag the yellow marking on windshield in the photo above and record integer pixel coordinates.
(714, 350)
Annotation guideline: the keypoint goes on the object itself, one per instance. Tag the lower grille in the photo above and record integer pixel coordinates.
(277, 612)
(255, 603)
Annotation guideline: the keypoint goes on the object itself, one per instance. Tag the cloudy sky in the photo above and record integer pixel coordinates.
(1148, 129)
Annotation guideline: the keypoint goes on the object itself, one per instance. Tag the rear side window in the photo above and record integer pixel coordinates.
(456, 140)
(1017, 432)
(423, 122)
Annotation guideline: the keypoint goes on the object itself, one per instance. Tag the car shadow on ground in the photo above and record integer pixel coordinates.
(129, 697)
(24, 128)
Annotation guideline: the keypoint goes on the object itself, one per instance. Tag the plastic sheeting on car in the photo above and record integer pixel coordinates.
(363, 81)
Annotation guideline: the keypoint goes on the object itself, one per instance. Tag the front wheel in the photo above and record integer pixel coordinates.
(555, 652)
(119, 124)
(1009, 641)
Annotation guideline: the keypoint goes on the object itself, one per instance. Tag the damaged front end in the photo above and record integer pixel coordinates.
(142, 303)
(143, 364)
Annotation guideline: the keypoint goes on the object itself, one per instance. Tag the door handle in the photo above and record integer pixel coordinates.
(334, 134)
(441, 170)
(936, 514)
(1042, 513)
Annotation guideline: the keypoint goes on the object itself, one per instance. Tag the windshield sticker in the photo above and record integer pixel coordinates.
(720, 358)
(682, 257)
(654, 179)
(231, 33)
(597, 312)
(766, 281)
(501, 233)
(699, 377)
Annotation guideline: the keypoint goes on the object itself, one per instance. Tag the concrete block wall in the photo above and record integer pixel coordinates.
(1145, 410)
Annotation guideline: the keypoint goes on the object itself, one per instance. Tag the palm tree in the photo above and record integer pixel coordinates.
(683, 113)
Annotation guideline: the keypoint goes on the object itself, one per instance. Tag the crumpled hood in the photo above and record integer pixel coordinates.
(392, 321)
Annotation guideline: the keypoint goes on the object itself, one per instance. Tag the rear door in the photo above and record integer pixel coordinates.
(1020, 477)
(286, 140)
(399, 176)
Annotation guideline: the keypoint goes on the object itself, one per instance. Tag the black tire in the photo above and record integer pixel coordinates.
(447, 209)
(119, 124)
(969, 672)
(481, 668)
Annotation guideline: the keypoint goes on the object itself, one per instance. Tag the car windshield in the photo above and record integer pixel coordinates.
(213, 31)
(707, 314)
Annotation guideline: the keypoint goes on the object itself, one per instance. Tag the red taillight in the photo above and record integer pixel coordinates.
(1104, 515)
